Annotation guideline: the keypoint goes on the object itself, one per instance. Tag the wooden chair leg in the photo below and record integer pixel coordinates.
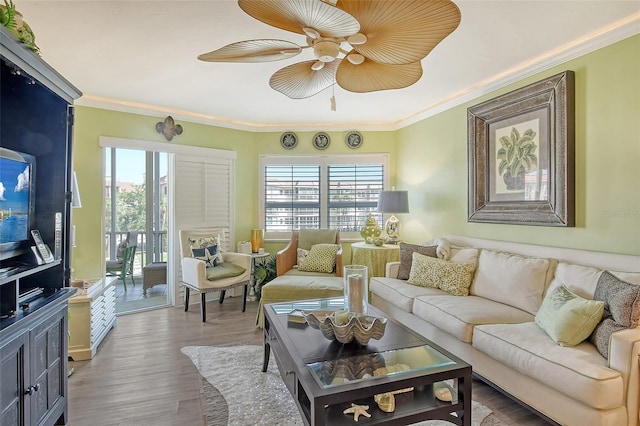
(244, 297)
(186, 299)
(203, 306)
(222, 292)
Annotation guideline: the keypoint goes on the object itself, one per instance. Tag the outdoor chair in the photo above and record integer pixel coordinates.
(123, 268)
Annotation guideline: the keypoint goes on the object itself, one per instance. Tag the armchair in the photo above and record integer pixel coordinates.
(233, 271)
(304, 239)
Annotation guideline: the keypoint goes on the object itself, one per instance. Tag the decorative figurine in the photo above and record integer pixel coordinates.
(357, 410)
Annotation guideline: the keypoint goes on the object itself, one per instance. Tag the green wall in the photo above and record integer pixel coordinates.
(428, 158)
(91, 123)
(432, 159)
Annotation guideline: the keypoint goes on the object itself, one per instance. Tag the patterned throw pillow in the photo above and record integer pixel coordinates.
(321, 258)
(406, 257)
(208, 254)
(568, 318)
(454, 278)
(204, 242)
(621, 309)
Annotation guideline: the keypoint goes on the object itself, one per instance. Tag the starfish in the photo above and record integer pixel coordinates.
(357, 410)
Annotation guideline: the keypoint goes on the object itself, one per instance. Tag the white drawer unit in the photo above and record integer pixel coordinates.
(92, 315)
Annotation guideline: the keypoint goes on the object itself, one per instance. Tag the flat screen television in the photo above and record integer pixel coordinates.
(17, 196)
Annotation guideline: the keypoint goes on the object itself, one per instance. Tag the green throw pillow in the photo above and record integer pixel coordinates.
(454, 278)
(321, 258)
(568, 318)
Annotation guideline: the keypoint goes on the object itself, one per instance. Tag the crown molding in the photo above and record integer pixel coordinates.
(593, 41)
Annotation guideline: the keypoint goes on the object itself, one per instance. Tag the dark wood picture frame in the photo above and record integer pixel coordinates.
(529, 131)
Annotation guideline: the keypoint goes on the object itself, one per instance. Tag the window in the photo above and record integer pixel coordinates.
(335, 191)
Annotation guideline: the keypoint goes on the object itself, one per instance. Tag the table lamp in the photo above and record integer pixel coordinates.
(393, 202)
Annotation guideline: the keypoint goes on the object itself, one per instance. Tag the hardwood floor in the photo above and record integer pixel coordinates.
(140, 377)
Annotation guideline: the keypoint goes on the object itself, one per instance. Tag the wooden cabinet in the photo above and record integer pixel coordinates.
(92, 315)
(33, 369)
(37, 118)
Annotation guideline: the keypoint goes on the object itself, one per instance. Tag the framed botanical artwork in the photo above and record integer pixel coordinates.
(521, 155)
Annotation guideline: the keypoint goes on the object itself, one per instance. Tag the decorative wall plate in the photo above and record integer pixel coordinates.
(321, 140)
(289, 140)
(354, 139)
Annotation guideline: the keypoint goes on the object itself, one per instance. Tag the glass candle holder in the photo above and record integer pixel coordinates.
(257, 239)
(356, 288)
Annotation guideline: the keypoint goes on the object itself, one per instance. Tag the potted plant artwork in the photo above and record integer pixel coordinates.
(517, 156)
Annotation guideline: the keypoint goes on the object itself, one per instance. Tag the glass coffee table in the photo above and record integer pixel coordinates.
(325, 377)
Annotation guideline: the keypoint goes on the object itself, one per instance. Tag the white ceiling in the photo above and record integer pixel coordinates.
(140, 56)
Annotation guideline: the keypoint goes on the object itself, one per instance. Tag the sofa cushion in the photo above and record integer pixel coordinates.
(568, 318)
(621, 309)
(579, 371)
(321, 258)
(399, 293)
(292, 287)
(459, 315)
(454, 278)
(406, 257)
(508, 278)
(463, 254)
(579, 279)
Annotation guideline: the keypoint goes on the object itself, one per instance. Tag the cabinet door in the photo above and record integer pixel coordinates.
(13, 376)
(48, 367)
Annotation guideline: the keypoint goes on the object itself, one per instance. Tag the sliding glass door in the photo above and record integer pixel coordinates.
(136, 188)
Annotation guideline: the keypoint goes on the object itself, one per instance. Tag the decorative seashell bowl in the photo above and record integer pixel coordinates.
(346, 327)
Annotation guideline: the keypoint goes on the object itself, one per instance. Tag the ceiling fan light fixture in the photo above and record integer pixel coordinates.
(311, 32)
(355, 58)
(357, 39)
(317, 66)
(326, 51)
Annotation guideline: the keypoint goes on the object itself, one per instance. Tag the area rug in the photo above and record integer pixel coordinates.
(236, 392)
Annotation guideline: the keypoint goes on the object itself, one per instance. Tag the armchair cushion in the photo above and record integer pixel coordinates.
(321, 258)
(307, 238)
(224, 270)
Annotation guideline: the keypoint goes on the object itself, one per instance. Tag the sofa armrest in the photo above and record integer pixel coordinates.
(392, 269)
(287, 258)
(624, 356)
(194, 271)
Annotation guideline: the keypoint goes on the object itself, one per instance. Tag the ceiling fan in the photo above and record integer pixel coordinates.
(362, 45)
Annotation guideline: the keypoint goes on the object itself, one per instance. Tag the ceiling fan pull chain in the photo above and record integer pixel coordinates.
(333, 97)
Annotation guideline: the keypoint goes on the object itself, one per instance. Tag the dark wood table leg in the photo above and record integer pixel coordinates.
(186, 299)
(203, 306)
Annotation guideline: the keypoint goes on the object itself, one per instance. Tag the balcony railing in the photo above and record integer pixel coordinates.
(160, 244)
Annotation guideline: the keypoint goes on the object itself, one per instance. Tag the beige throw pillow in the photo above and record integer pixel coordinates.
(454, 278)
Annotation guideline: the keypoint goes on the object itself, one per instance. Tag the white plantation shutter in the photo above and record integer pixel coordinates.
(203, 198)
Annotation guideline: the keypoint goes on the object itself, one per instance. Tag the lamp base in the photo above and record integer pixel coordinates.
(392, 228)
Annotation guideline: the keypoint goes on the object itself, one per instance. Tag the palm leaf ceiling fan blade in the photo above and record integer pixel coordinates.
(402, 31)
(264, 50)
(294, 15)
(372, 76)
(299, 81)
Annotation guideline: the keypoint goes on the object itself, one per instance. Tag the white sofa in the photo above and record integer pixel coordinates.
(494, 330)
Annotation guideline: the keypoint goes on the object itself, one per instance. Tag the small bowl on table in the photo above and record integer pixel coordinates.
(345, 327)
